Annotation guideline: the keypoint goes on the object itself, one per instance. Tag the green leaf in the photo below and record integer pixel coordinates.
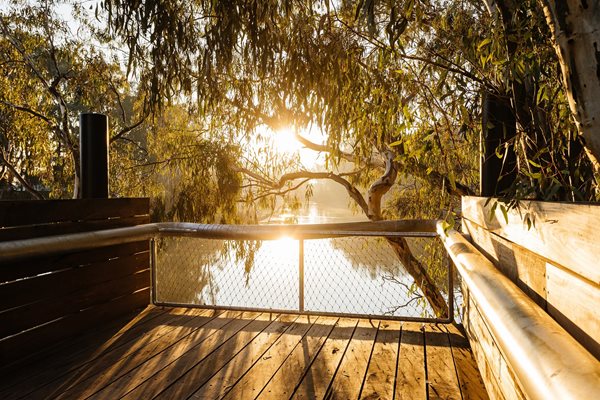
(484, 43)
(396, 143)
(504, 211)
(452, 180)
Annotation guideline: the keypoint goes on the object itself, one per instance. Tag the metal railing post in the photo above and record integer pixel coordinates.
(153, 268)
(301, 275)
(450, 287)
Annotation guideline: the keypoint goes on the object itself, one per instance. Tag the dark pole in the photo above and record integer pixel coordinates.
(93, 147)
(498, 127)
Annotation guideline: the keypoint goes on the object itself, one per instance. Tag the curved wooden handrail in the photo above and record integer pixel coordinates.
(548, 362)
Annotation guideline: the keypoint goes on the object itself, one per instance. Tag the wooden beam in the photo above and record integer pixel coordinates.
(562, 233)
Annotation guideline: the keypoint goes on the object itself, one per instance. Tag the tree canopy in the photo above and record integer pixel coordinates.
(197, 91)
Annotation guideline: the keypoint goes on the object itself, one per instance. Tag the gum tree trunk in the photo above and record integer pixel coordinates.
(575, 26)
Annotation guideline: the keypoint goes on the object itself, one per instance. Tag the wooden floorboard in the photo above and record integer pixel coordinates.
(350, 375)
(191, 371)
(317, 378)
(410, 374)
(442, 382)
(215, 354)
(284, 381)
(380, 377)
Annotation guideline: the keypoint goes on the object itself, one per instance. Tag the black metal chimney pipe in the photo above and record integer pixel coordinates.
(93, 150)
(499, 126)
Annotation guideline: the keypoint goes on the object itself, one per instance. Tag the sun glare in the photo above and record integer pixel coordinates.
(285, 140)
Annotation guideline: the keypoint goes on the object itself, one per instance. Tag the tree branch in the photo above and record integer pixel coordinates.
(28, 110)
(19, 177)
(381, 187)
(353, 192)
(128, 129)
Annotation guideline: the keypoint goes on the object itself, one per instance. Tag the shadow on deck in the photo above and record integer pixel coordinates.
(178, 353)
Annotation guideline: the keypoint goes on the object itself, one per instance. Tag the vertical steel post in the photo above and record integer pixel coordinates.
(301, 275)
(153, 269)
(450, 287)
(93, 153)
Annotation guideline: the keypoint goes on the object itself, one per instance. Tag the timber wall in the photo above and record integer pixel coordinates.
(554, 259)
(45, 300)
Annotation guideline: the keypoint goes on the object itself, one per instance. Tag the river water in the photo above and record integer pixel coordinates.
(356, 275)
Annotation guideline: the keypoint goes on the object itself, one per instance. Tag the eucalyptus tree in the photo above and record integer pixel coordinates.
(249, 64)
(395, 86)
(48, 77)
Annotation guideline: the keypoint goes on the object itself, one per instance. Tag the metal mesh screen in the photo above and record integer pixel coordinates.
(351, 275)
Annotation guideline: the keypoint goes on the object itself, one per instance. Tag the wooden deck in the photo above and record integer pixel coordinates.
(205, 354)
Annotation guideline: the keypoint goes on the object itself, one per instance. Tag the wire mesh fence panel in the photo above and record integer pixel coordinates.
(249, 274)
(350, 275)
(362, 275)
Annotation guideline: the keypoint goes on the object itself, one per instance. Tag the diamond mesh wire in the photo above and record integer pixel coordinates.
(353, 275)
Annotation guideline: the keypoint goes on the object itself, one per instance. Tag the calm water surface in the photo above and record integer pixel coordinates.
(352, 275)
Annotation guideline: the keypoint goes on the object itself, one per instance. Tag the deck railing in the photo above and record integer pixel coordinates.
(341, 269)
(325, 268)
(547, 361)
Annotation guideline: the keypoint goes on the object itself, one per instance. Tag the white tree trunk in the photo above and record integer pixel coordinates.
(575, 26)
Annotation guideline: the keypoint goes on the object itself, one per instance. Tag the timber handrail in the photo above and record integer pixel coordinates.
(49, 245)
(548, 362)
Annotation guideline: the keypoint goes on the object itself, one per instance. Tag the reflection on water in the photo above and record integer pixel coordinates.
(352, 275)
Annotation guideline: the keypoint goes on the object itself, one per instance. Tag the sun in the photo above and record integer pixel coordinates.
(285, 140)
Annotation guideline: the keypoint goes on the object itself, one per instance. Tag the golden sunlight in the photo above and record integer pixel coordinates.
(285, 140)
(284, 249)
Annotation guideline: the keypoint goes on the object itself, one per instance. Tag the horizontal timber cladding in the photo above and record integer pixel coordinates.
(550, 250)
(44, 300)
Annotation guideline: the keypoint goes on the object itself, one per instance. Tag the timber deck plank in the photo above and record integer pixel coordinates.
(379, 382)
(316, 380)
(410, 376)
(109, 368)
(190, 372)
(181, 353)
(442, 382)
(282, 384)
(349, 378)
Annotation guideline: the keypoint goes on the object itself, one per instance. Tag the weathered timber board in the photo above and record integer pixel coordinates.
(11, 271)
(82, 350)
(350, 375)
(380, 378)
(562, 233)
(546, 261)
(50, 286)
(207, 354)
(525, 268)
(38, 313)
(498, 375)
(17, 213)
(195, 347)
(471, 384)
(251, 384)
(317, 378)
(64, 228)
(24, 345)
(442, 382)
(290, 373)
(220, 383)
(191, 371)
(410, 375)
(575, 304)
(140, 338)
